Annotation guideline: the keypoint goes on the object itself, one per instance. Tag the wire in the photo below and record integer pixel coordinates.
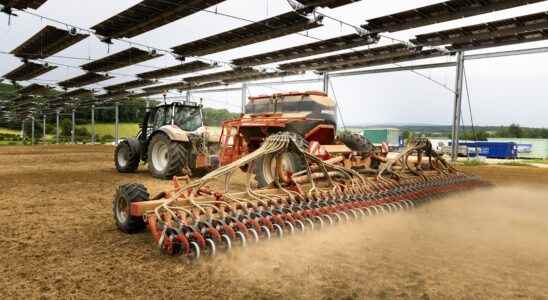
(337, 103)
(469, 98)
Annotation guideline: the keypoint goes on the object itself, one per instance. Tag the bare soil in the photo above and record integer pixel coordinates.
(59, 241)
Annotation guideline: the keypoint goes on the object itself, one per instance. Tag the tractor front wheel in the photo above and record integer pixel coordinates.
(121, 207)
(166, 158)
(127, 156)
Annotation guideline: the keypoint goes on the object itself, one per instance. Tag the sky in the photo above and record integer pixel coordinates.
(501, 90)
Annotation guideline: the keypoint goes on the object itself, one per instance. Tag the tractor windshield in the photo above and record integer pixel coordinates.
(188, 118)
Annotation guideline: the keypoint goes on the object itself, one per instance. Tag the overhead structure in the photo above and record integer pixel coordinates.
(113, 95)
(144, 94)
(83, 80)
(158, 89)
(129, 85)
(148, 15)
(529, 28)
(47, 42)
(128, 57)
(281, 25)
(262, 76)
(316, 48)
(21, 4)
(179, 69)
(34, 89)
(325, 3)
(77, 93)
(28, 71)
(221, 76)
(439, 12)
(411, 56)
(377, 53)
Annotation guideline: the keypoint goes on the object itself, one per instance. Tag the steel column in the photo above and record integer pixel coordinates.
(457, 109)
(116, 132)
(32, 131)
(244, 96)
(326, 83)
(44, 129)
(93, 124)
(23, 131)
(57, 127)
(73, 131)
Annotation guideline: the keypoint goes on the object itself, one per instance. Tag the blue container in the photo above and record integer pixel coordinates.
(504, 150)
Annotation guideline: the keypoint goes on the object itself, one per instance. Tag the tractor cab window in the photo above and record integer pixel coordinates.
(161, 117)
(188, 118)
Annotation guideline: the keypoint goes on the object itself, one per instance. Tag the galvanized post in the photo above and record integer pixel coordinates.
(457, 109)
(147, 105)
(73, 131)
(93, 124)
(326, 83)
(116, 132)
(57, 127)
(44, 129)
(23, 131)
(32, 131)
(188, 96)
(244, 96)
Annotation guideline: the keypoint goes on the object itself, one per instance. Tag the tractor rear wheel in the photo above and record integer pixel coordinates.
(121, 207)
(127, 156)
(166, 158)
(277, 165)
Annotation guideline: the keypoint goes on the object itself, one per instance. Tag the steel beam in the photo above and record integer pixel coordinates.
(457, 109)
(393, 69)
(506, 53)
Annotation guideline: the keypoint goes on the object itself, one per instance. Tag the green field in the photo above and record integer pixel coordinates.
(125, 129)
(9, 131)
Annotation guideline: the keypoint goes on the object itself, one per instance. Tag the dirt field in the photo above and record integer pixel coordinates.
(58, 240)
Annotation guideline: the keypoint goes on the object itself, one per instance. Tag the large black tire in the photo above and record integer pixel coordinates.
(166, 158)
(127, 156)
(356, 143)
(125, 195)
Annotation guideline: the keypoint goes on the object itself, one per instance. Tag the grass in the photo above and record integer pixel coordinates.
(516, 164)
(125, 129)
(9, 131)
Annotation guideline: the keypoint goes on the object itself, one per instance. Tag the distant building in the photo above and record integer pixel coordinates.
(377, 136)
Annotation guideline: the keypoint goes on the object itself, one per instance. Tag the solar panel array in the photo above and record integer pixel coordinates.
(23, 4)
(49, 41)
(128, 57)
(28, 71)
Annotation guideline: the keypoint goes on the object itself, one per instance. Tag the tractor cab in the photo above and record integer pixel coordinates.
(187, 116)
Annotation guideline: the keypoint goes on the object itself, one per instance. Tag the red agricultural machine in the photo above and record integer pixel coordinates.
(300, 177)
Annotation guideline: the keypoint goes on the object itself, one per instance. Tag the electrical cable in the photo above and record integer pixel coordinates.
(469, 98)
(337, 103)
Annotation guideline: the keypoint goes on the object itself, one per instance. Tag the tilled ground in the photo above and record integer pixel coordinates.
(58, 240)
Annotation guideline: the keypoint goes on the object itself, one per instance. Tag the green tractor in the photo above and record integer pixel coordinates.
(172, 140)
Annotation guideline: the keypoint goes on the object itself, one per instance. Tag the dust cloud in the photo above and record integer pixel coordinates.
(482, 244)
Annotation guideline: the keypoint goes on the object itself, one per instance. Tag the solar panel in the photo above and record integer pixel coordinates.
(179, 69)
(113, 95)
(28, 71)
(440, 12)
(166, 87)
(23, 4)
(47, 42)
(330, 45)
(281, 25)
(130, 85)
(424, 54)
(262, 76)
(483, 31)
(34, 89)
(501, 40)
(76, 93)
(144, 94)
(389, 51)
(82, 80)
(221, 76)
(326, 3)
(128, 57)
(148, 15)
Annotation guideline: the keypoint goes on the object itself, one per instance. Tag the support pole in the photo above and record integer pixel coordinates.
(147, 105)
(457, 109)
(244, 96)
(73, 131)
(44, 129)
(32, 131)
(93, 124)
(23, 131)
(116, 132)
(57, 127)
(188, 96)
(326, 83)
